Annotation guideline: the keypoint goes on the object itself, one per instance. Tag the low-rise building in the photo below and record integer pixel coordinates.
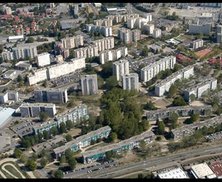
(175, 173)
(24, 128)
(129, 144)
(83, 141)
(216, 167)
(198, 89)
(188, 130)
(5, 115)
(164, 85)
(202, 171)
(34, 109)
(23, 65)
(10, 74)
(182, 111)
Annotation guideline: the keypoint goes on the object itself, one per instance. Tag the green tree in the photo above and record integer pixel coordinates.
(179, 101)
(111, 82)
(109, 155)
(172, 91)
(192, 97)
(150, 106)
(62, 159)
(161, 127)
(62, 127)
(69, 125)
(112, 137)
(72, 162)
(54, 131)
(195, 117)
(68, 138)
(173, 119)
(23, 158)
(43, 162)
(31, 165)
(43, 116)
(45, 135)
(142, 145)
(58, 174)
(17, 153)
(69, 154)
(30, 40)
(145, 51)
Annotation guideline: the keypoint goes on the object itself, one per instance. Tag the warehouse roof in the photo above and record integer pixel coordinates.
(5, 114)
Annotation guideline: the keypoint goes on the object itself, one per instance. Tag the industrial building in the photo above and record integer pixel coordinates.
(34, 109)
(164, 85)
(5, 115)
(43, 59)
(202, 171)
(128, 144)
(89, 84)
(188, 130)
(182, 111)
(112, 55)
(56, 71)
(83, 141)
(175, 173)
(198, 89)
(153, 68)
(130, 81)
(120, 68)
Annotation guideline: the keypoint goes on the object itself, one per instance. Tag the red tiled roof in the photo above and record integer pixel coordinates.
(217, 168)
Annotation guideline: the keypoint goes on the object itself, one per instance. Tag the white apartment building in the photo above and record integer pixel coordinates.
(72, 42)
(196, 44)
(43, 59)
(7, 55)
(112, 55)
(165, 84)
(55, 71)
(152, 69)
(138, 22)
(157, 33)
(128, 36)
(120, 68)
(198, 89)
(89, 84)
(130, 81)
(25, 52)
(106, 31)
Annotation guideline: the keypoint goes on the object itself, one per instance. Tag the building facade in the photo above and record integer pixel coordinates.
(89, 84)
(72, 42)
(43, 59)
(120, 68)
(130, 81)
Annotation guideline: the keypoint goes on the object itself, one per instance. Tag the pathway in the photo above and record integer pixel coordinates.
(9, 164)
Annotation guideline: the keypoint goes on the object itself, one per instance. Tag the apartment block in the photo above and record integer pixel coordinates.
(89, 84)
(87, 52)
(128, 36)
(72, 42)
(120, 68)
(198, 89)
(219, 33)
(125, 145)
(24, 52)
(83, 141)
(56, 71)
(7, 55)
(164, 85)
(188, 130)
(138, 22)
(34, 109)
(51, 95)
(157, 33)
(130, 81)
(196, 44)
(182, 111)
(152, 69)
(112, 55)
(43, 59)
(106, 31)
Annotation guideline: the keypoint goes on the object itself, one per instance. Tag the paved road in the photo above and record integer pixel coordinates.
(157, 162)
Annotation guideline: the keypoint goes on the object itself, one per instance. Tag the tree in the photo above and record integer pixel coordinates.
(150, 106)
(45, 135)
(43, 162)
(23, 158)
(192, 97)
(62, 128)
(69, 124)
(172, 91)
(68, 154)
(195, 117)
(145, 51)
(17, 153)
(142, 145)
(68, 137)
(173, 119)
(31, 165)
(19, 79)
(109, 155)
(30, 40)
(111, 82)
(58, 174)
(112, 137)
(62, 159)
(43, 116)
(72, 162)
(54, 131)
(179, 101)
(161, 127)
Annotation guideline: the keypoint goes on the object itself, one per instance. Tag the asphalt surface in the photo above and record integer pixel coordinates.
(150, 164)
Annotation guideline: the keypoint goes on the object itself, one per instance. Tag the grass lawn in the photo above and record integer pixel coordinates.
(8, 176)
(13, 171)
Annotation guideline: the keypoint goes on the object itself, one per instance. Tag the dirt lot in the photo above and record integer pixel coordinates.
(197, 103)
(74, 132)
(161, 102)
(203, 53)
